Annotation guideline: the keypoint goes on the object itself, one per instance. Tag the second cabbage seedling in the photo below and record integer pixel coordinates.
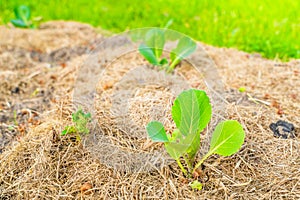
(153, 46)
(191, 113)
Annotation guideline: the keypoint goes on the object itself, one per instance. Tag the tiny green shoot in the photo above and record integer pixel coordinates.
(191, 113)
(152, 48)
(196, 185)
(35, 92)
(11, 128)
(242, 89)
(15, 118)
(80, 121)
(22, 14)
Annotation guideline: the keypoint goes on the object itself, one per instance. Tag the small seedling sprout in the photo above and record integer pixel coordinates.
(80, 121)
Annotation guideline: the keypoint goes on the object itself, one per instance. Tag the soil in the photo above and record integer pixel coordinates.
(38, 69)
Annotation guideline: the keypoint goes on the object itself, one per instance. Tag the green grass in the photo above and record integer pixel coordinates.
(270, 27)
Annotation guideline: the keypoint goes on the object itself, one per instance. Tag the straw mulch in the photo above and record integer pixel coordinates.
(37, 163)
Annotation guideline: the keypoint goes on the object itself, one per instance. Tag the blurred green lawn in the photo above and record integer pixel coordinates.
(271, 27)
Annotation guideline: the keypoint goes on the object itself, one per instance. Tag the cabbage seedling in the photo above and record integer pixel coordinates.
(80, 121)
(191, 113)
(153, 46)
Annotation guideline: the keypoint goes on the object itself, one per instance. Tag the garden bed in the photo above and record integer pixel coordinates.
(38, 72)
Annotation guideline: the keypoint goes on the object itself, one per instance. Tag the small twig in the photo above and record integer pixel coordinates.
(257, 101)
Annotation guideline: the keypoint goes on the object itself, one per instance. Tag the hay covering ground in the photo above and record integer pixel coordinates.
(42, 165)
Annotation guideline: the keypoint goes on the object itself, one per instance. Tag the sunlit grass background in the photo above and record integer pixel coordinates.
(270, 27)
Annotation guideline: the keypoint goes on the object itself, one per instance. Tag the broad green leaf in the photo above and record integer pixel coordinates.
(194, 147)
(156, 132)
(155, 39)
(175, 150)
(176, 147)
(191, 111)
(181, 145)
(22, 12)
(185, 47)
(227, 138)
(18, 23)
(148, 54)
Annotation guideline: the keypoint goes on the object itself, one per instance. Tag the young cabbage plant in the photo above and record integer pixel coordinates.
(80, 121)
(191, 113)
(22, 20)
(153, 46)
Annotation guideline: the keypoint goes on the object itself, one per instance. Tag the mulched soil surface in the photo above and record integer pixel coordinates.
(37, 73)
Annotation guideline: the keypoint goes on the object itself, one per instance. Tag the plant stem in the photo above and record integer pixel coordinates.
(15, 118)
(181, 167)
(171, 67)
(188, 161)
(202, 160)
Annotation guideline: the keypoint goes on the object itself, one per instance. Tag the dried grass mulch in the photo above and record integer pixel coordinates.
(43, 165)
